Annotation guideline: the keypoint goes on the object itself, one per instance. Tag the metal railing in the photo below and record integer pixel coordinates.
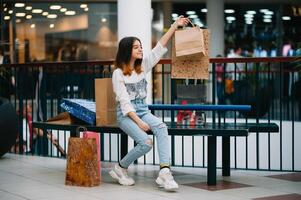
(270, 85)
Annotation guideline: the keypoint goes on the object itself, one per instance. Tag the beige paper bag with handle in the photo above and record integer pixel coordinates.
(189, 41)
(105, 102)
(192, 66)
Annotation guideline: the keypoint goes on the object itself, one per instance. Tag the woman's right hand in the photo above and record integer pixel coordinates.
(144, 126)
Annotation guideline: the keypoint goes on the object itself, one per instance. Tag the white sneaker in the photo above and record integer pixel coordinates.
(121, 176)
(166, 180)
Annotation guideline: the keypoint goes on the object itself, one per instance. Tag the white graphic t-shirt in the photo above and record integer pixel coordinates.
(132, 87)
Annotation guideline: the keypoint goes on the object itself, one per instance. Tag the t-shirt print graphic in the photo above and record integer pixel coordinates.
(137, 90)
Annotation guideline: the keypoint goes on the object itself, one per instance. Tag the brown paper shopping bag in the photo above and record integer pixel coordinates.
(189, 41)
(105, 102)
(192, 66)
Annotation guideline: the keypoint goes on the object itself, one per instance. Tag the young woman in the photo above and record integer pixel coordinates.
(133, 115)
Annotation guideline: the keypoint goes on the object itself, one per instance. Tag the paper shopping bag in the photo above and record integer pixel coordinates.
(192, 66)
(82, 167)
(189, 41)
(105, 102)
(90, 134)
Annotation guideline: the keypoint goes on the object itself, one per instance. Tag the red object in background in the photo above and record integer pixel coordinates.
(183, 114)
(90, 134)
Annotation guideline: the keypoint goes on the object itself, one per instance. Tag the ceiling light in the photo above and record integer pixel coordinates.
(28, 8)
(251, 12)
(70, 12)
(45, 13)
(86, 9)
(267, 20)
(193, 16)
(248, 16)
(204, 10)
(263, 10)
(103, 19)
(267, 16)
(5, 9)
(6, 17)
(55, 7)
(51, 26)
(19, 5)
(28, 16)
(37, 11)
(190, 12)
(249, 22)
(20, 14)
(286, 17)
(10, 12)
(229, 11)
(52, 16)
(230, 18)
(32, 26)
(83, 5)
(18, 20)
(269, 13)
(174, 15)
(63, 9)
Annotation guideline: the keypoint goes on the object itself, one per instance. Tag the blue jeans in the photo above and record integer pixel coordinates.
(143, 146)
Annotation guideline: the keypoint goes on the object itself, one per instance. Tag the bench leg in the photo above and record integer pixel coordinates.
(211, 169)
(226, 155)
(124, 145)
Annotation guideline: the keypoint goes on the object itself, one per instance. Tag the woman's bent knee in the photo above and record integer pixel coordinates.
(147, 146)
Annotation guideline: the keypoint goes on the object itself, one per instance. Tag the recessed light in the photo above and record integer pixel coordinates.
(229, 11)
(204, 10)
(269, 12)
(10, 12)
(45, 13)
(83, 5)
(193, 16)
(55, 7)
(190, 12)
(19, 5)
(63, 9)
(286, 18)
(251, 12)
(103, 19)
(263, 10)
(70, 12)
(267, 16)
(6, 17)
(5, 9)
(267, 20)
(18, 20)
(32, 26)
(51, 26)
(37, 11)
(20, 14)
(52, 16)
(174, 15)
(230, 18)
(86, 9)
(28, 8)
(28, 16)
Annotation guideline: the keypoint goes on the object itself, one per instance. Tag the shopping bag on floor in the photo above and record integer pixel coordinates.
(91, 134)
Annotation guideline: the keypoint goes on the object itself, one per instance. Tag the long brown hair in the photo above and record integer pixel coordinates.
(124, 54)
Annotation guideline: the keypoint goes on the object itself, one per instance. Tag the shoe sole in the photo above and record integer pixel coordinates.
(160, 183)
(116, 177)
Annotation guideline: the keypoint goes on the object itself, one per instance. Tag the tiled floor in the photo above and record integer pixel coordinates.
(40, 178)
